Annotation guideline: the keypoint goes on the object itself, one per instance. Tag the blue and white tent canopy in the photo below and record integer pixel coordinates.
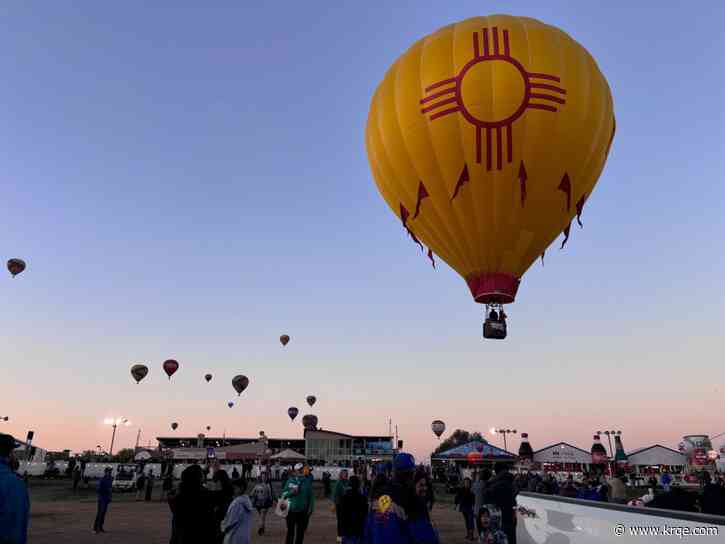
(487, 450)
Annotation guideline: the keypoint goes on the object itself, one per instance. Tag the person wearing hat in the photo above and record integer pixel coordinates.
(298, 491)
(14, 501)
(105, 486)
(388, 521)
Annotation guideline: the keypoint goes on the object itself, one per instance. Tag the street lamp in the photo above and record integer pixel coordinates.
(115, 423)
(504, 432)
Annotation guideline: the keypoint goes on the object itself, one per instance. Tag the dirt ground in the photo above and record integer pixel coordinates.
(59, 517)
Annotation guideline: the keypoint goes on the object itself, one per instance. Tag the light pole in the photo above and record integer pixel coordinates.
(115, 423)
(504, 432)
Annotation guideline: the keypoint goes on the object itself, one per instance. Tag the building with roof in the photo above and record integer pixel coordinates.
(656, 458)
(334, 447)
(175, 443)
(562, 457)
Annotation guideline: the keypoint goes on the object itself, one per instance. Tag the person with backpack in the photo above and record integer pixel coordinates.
(263, 499)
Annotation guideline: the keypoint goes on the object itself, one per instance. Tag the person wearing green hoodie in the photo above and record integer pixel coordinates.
(298, 491)
(340, 487)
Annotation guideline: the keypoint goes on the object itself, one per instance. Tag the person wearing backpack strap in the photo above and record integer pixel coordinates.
(263, 499)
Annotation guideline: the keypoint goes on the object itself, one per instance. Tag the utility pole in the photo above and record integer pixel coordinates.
(138, 438)
(396, 438)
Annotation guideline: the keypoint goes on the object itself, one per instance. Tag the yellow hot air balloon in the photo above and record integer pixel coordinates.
(486, 138)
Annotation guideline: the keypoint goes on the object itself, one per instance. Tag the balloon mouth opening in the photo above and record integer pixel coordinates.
(493, 287)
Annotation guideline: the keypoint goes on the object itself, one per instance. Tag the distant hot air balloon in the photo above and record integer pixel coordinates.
(208, 428)
(207, 377)
(486, 139)
(230, 404)
(139, 372)
(438, 427)
(240, 383)
(16, 266)
(309, 421)
(311, 400)
(292, 412)
(284, 339)
(170, 366)
(174, 426)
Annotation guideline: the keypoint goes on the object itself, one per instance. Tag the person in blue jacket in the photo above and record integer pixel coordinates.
(14, 501)
(105, 485)
(388, 520)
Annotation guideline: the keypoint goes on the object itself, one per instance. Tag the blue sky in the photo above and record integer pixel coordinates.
(192, 182)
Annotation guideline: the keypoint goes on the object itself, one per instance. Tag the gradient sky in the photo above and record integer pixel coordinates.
(192, 182)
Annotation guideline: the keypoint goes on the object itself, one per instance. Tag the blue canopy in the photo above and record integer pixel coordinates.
(487, 450)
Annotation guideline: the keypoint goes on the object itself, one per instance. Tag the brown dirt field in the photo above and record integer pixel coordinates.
(59, 517)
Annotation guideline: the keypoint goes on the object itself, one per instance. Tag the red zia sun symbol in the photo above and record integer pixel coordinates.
(462, 94)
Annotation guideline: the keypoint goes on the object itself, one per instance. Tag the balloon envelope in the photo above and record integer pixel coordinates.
(230, 404)
(311, 400)
(208, 427)
(438, 427)
(207, 377)
(16, 266)
(486, 138)
(139, 372)
(174, 426)
(309, 421)
(240, 383)
(475, 458)
(170, 366)
(292, 412)
(284, 339)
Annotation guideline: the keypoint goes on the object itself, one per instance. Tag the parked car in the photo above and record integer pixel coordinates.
(125, 478)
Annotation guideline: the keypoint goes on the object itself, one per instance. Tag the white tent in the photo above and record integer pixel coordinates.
(563, 453)
(289, 455)
(655, 456)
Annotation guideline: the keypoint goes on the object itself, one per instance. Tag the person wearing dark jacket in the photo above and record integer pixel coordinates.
(500, 491)
(14, 500)
(105, 486)
(193, 520)
(388, 520)
(221, 499)
(352, 510)
(419, 523)
(676, 499)
(713, 497)
(150, 479)
(464, 501)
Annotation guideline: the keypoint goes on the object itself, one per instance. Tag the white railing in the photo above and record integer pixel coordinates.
(547, 519)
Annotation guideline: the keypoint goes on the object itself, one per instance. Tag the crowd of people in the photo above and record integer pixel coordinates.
(597, 487)
(390, 505)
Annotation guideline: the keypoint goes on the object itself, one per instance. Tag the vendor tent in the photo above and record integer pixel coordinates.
(656, 455)
(563, 456)
(288, 455)
(486, 450)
